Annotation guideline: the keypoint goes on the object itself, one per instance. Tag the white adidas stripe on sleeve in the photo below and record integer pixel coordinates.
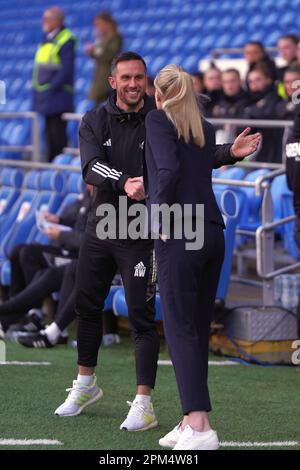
(105, 175)
(110, 170)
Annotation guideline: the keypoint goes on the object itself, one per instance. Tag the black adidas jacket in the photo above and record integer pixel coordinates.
(112, 150)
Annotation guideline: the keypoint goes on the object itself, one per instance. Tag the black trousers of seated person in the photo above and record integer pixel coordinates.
(98, 263)
(46, 282)
(26, 260)
(188, 283)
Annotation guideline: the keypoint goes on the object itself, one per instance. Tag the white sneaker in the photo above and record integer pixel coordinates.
(80, 397)
(139, 418)
(193, 440)
(171, 439)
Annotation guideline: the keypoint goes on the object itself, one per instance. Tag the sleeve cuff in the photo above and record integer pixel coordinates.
(121, 182)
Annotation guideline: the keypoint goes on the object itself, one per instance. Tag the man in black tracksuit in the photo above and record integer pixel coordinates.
(293, 179)
(112, 151)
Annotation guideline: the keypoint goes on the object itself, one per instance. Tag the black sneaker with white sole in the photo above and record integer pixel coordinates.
(39, 341)
(33, 323)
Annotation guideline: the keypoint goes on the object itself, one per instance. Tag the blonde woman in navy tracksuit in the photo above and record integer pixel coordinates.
(179, 161)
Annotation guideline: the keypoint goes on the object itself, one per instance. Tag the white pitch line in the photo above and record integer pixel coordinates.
(259, 444)
(30, 442)
(210, 363)
(20, 363)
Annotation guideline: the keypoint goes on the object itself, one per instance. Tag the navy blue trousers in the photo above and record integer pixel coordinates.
(188, 283)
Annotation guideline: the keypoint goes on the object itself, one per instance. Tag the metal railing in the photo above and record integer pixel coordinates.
(230, 124)
(261, 123)
(39, 165)
(34, 147)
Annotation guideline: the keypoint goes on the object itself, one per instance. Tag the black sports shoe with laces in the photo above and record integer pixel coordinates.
(39, 341)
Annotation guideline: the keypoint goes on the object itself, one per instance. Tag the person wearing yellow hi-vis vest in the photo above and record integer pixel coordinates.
(53, 77)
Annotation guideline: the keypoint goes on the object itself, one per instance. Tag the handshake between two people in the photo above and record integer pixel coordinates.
(134, 188)
(245, 144)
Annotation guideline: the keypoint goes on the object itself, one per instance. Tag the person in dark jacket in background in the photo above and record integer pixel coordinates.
(263, 102)
(180, 154)
(107, 45)
(234, 99)
(293, 180)
(255, 54)
(287, 46)
(286, 109)
(198, 82)
(213, 89)
(53, 78)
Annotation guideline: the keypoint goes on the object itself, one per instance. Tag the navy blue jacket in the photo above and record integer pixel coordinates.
(57, 100)
(177, 172)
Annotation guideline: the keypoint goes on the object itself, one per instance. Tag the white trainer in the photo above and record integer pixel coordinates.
(193, 440)
(139, 418)
(80, 396)
(171, 439)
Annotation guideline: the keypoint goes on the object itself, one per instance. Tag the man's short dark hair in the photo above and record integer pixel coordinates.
(291, 37)
(262, 68)
(292, 69)
(125, 57)
(256, 43)
(197, 74)
(232, 70)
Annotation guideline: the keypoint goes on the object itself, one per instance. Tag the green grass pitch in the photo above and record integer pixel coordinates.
(250, 403)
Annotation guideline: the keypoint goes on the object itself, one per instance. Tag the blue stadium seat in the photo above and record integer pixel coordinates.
(231, 204)
(250, 218)
(20, 225)
(19, 211)
(278, 189)
(120, 307)
(51, 194)
(234, 173)
(288, 229)
(62, 159)
(76, 161)
(10, 186)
